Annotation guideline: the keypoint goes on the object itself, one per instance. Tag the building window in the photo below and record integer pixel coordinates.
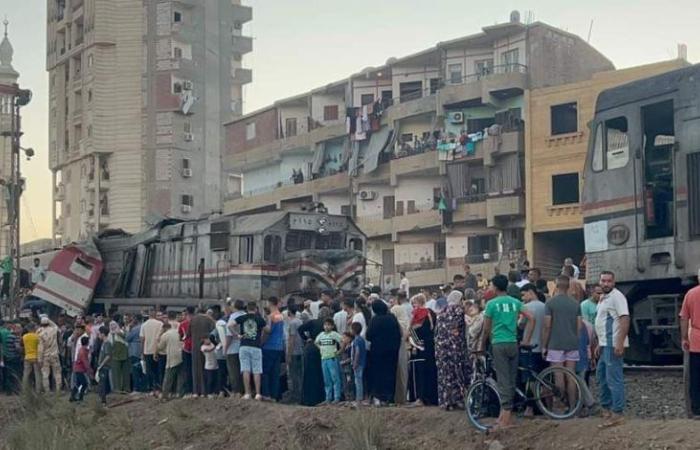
(177, 17)
(187, 200)
(455, 72)
(245, 249)
(410, 90)
(411, 207)
(187, 127)
(483, 67)
(482, 248)
(511, 60)
(406, 138)
(250, 131)
(177, 53)
(186, 164)
(434, 85)
(565, 189)
(386, 98)
(564, 118)
(290, 127)
(90, 60)
(366, 99)
(440, 252)
(177, 87)
(330, 112)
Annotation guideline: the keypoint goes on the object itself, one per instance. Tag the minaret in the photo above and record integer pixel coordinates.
(8, 80)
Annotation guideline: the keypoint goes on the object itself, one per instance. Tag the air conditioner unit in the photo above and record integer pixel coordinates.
(187, 85)
(187, 173)
(186, 209)
(368, 195)
(189, 137)
(456, 117)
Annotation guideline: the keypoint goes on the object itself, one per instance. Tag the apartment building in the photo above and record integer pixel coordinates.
(426, 152)
(8, 79)
(557, 142)
(139, 92)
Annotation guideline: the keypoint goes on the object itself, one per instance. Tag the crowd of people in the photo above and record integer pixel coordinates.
(372, 349)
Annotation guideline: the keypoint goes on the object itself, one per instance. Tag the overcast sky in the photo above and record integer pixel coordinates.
(302, 44)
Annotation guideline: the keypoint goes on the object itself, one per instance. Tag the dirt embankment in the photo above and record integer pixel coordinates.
(146, 423)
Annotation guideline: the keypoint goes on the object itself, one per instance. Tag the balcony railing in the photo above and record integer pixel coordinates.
(423, 265)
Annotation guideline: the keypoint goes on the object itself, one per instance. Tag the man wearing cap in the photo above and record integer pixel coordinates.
(48, 353)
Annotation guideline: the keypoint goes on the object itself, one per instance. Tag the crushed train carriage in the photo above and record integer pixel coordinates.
(641, 203)
(249, 257)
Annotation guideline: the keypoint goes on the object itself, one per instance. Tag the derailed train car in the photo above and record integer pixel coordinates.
(249, 257)
(641, 203)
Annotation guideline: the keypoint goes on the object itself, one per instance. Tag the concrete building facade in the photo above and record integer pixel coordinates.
(8, 79)
(139, 91)
(556, 147)
(440, 178)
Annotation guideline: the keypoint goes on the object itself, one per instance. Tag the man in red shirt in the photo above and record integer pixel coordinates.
(184, 332)
(690, 335)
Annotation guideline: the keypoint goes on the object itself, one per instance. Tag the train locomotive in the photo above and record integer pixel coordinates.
(641, 203)
(250, 257)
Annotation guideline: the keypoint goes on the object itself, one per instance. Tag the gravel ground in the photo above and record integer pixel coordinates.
(653, 395)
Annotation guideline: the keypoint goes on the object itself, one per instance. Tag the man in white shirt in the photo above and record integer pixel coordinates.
(149, 334)
(37, 271)
(341, 317)
(611, 328)
(405, 285)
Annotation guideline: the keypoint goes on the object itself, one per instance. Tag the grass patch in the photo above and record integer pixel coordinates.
(52, 423)
(364, 430)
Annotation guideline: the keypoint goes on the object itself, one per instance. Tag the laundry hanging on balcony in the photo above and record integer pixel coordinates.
(382, 139)
(319, 156)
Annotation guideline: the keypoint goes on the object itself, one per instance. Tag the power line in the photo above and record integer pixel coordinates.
(29, 214)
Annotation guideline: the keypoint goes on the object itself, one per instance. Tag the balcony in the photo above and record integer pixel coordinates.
(505, 206)
(242, 76)
(428, 273)
(425, 218)
(500, 83)
(275, 195)
(510, 142)
(422, 163)
(242, 44)
(374, 225)
(414, 106)
(242, 14)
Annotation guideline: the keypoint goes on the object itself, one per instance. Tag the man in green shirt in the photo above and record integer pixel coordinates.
(589, 307)
(501, 328)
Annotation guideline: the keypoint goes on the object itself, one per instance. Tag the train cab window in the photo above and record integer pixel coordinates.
(299, 240)
(219, 236)
(611, 146)
(659, 138)
(245, 249)
(272, 249)
(356, 244)
(330, 241)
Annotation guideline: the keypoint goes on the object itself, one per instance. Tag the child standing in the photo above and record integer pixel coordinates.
(346, 366)
(358, 356)
(328, 342)
(211, 366)
(81, 369)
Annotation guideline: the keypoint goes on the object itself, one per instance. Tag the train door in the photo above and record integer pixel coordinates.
(658, 157)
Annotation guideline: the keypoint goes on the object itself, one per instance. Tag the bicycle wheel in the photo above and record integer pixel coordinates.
(558, 392)
(483, 405)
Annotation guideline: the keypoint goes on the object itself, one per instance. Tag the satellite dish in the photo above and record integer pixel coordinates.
(515, 17)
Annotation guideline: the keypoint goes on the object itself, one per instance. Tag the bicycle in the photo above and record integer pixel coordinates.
(483, 403)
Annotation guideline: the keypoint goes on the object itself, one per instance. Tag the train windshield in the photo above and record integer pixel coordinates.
(611, 148)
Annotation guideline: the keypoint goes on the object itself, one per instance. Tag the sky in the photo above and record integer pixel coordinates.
(302, 44)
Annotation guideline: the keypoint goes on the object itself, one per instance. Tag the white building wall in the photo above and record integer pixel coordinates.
(467, 58)
(412, 73)
(300, 113)
(320, 101)
(373, 208)
(334, 202)
(414, 252)
(257, 180)
(418, 189)
(374, 87)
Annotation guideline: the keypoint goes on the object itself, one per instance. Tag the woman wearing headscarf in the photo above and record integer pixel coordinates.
(404, 320)
(312, 392)
(121, 369)
(422, 374)
(451, 353)
(384, 333)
